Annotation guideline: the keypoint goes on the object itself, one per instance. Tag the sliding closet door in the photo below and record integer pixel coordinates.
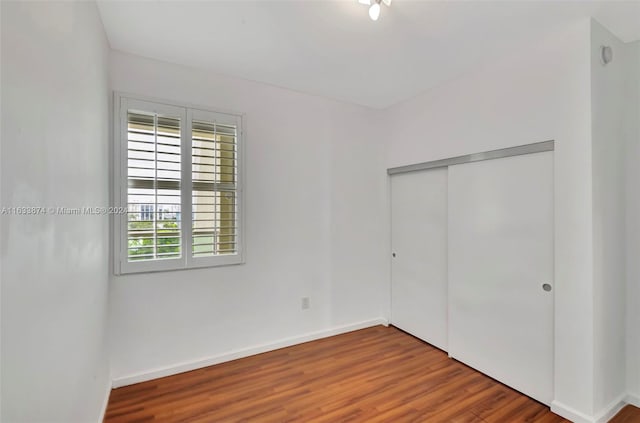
(501, 270)
(419, 258)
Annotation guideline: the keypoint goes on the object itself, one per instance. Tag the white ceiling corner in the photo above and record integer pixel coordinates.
(333, 49)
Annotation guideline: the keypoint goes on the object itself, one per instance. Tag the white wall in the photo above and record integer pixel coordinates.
(607, 117)
(314, 204)
(54, 268)
(632, 115)
(541, 92)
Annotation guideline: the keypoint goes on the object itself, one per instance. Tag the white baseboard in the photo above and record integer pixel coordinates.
(241, 353)
(632, 399)
(611, 410)
(570, 414)
(105, 403)
(578, 417)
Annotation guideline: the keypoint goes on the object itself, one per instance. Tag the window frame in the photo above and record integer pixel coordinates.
(124, 102)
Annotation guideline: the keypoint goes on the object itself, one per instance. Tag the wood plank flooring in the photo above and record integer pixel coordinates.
(629, 414)
(373, 375)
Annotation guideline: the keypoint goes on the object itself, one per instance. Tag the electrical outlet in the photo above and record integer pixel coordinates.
(305, 303)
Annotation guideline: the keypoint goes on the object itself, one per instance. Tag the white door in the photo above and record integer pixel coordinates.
(419, 244)
(500, 260)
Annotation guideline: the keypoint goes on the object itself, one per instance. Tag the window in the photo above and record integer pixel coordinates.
(178, 175)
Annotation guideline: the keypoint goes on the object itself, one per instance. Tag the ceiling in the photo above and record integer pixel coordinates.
(333, 49)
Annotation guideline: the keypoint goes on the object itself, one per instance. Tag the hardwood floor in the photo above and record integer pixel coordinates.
(373, 375)
(629, 414)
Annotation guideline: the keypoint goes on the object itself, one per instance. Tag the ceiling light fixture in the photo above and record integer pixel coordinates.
(374, 7)
(374, 11)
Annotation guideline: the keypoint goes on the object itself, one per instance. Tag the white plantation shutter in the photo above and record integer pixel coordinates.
(214, 188)
(215, 182)
(153, 187)
(178, 173)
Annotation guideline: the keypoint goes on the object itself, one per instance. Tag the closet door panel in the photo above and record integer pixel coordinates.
(419, 243)
(501, 270)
